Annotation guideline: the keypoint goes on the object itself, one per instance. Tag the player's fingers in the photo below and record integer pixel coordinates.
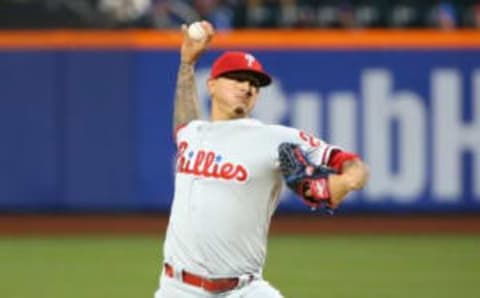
(184, 29)
(208, 27)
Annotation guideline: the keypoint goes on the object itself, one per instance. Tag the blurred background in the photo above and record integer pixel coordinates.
(87, 152)
(234, 14)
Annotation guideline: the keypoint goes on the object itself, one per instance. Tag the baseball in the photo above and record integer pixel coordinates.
(196, 32)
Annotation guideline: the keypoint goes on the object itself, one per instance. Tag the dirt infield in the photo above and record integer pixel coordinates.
(281, 224)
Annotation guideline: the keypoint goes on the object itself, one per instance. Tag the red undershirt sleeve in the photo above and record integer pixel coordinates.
(338, 157)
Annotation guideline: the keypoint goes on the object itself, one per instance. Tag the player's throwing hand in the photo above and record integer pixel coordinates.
(192, 48)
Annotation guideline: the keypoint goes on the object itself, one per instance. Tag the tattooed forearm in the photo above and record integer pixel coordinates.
(186, 99)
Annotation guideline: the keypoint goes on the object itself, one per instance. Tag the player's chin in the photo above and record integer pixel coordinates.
(240, 111)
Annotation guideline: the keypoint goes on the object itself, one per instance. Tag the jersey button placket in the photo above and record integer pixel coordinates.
(194, 203)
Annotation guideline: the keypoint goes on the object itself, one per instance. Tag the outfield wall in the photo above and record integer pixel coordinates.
(85, 117)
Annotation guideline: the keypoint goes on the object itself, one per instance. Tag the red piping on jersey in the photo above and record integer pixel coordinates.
(177, 129)
(338, 157)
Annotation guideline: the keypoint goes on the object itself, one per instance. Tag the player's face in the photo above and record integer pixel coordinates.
(233, 95)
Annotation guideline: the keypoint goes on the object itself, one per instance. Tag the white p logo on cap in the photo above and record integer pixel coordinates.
(249, 59)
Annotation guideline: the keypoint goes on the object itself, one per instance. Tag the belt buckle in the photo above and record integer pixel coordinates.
(244, 280)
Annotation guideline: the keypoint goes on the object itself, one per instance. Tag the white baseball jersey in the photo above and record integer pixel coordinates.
(227, 187)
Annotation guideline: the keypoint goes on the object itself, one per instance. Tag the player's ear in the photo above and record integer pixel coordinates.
(211, 86)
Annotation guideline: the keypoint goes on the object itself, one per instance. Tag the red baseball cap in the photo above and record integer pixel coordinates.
(239, 62)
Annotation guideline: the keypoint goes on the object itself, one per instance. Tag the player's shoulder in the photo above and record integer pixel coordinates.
(187, 128)
(270, 130)
(192, 124)
(282, 132)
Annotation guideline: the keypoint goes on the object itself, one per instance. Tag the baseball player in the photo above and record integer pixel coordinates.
(229, 173)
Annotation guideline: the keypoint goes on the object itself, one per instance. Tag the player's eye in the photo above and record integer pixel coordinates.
(255, 83)
(243, 77)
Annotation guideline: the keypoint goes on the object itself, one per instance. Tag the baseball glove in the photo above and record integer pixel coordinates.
(307, 180)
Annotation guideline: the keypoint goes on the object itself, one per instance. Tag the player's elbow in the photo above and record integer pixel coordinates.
(358, 178)
(363, 177)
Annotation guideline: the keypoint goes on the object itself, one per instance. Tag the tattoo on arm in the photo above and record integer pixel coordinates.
(186, 98)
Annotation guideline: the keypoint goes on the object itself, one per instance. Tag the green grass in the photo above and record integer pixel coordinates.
(310, 266)
(377, 266)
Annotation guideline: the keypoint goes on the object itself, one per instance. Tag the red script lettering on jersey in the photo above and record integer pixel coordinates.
(207, 164)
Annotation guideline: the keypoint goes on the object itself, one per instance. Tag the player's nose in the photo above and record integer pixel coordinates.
(246, 87)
